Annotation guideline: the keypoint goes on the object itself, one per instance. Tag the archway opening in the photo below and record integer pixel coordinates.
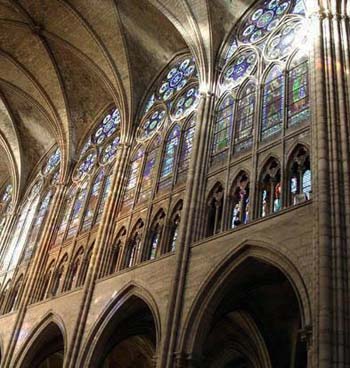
(129, 340)
(253, 321)
(48, 349)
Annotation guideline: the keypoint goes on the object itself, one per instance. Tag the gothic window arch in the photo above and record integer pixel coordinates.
(270, 188)
(239, 200)
(74, 269)
(14, 295)
(299, 176)
(173, 227)
(222, 128)
(272, 102)
(32, 213)
(132, 249)
(43, 288)
(298, 90)
(58, 276)
(215, 210)
(91, 179)
(168, 163)
(186, 148)
(244, 122)
(155, 235)
(113, 255)
(168, 118)
(85, 266)
(149, 170)
(259, 64)
(134, 169)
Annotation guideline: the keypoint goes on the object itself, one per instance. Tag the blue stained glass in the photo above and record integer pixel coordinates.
(110, 151)
(85, 167)
(170, 152)
(291, 35)
(263, 19)
(108, 126)
(273, 103)
(241, 67)
(152, 123)
(186, 103)
(52, 162)
(299, 7)
(177, 78)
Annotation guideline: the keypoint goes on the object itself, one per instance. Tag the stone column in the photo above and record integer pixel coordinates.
(32, 281)
(330, 155)
(189, 228)
(104, 235)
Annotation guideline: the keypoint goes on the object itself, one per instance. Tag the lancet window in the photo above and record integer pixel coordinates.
(264, 68)
(32, 214)
(91, 179)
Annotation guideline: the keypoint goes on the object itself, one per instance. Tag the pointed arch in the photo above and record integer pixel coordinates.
(213, 289)
(47, 338)
(132, 296)
(214, 214)
(299, 175)
(270, 187)
(155, 236)
(239, 200)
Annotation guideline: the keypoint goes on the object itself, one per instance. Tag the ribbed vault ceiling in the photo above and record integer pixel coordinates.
(62, 62)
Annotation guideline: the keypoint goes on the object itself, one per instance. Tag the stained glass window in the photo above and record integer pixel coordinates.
(264, 18)
(245, 118)
(52, 162)
(241, 67)
(273, 103)
(133, 175)
(105, 194)
(37, 225)
(77, 210)
(152, 123)
(222, 129)
(109, 125)
(149, 170)
(93, 200)
(154, 244)
(177, 78)
(65, 215)
(298, 94)
(186, 102)
(283, 41)
(109, 152)
(170, 154)
(186, 148)
(299, 7)
(86, 165)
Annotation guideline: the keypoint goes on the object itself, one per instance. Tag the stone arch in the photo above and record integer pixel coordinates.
(216, 286)
(48, 338)
(113, 315)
